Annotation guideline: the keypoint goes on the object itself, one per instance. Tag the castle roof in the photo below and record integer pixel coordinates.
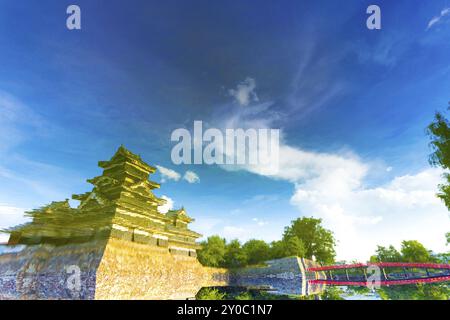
(179, 214)
(123, 155)
(121, 199)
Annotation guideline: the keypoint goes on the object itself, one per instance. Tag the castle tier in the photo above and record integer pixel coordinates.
(120, 205)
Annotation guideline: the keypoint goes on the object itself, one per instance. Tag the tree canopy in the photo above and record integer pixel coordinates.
(235, 256)
(439, 133)
(384, 254)
(213, 252)
(318, 242)
(305, 237)
(256, 251)
(414, 251)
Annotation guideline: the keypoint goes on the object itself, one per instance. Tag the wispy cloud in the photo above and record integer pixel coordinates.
(315, 82)
(439, 18)
(168, 174)
(262, 198)
(245, 93)
(332, 186)
(11, 216)
(260, 222)
(232, 232)
(191, 177)
(43, 182)
(15, 118)
(34, 176)
(207, 226)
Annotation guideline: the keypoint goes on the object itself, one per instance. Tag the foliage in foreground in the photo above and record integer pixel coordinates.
(210, 294)
(236, 293)
(332, 293)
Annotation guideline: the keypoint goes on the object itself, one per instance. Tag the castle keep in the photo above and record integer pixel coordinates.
(116, 240)
(121, 205)
(119, 246)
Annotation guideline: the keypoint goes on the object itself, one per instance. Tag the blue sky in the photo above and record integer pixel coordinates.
(352, 105)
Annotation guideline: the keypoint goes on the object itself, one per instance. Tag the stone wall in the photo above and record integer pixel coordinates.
(46, 272)
(130, 270)
(121, 269)
(281, 276)
(112, 269)
(287, 276)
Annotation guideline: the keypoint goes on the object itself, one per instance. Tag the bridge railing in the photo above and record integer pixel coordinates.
(382, 265)
(382, 283)
(400, 273)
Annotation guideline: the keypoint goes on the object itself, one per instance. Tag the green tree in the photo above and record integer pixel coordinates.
(256, 251)
(447, 235)
(213, 251)
(318, 241)
(414, 251)
(277, 249)
(294, 247)
(235, 256)
(439, 132)
(384, 254)
(289, 246)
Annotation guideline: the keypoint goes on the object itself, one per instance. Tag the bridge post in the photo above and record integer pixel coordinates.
(346, 275)
(405, 272)
(384, 274)
(330, 274)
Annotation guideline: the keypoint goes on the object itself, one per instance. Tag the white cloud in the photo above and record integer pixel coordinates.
(260, 222)
(262, 198)
(235, 211)
(11, 216)
(331, 187)
(10, 210)
(207, 226)
(168, 174)
(167, 206)
(245, 92)
(191, 177)
(437, 19)
(405, 208)
(14, 117)
(4, 238)
(232, 232)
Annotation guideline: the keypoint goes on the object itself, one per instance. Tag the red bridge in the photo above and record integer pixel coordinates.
(390, 273)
